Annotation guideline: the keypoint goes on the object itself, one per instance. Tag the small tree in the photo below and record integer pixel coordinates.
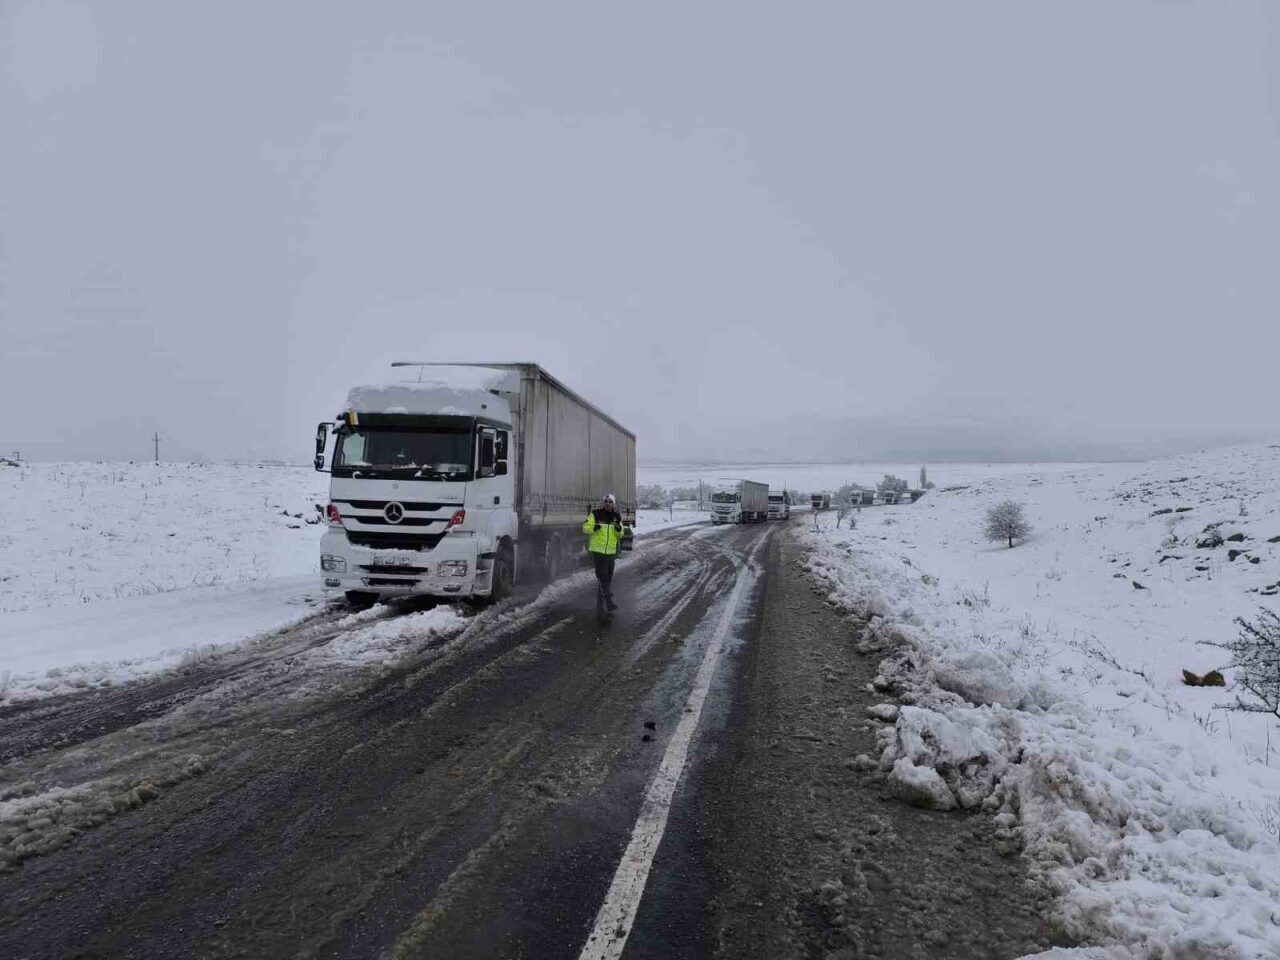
(892, 484)
(1005, 521)
(652, 496)
(847, 495)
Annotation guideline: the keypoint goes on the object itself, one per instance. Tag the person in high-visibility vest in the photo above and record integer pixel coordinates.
(604, 528)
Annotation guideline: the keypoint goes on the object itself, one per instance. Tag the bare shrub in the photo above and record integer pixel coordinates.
(1255, 653)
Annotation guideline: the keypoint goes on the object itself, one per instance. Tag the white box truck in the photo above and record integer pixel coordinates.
(779, 505)
(464, 479)
(740, 501)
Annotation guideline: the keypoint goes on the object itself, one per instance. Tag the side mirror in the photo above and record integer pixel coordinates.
(322, 437)
(500, 468)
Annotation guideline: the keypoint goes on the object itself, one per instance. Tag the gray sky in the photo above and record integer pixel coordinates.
(989, 229)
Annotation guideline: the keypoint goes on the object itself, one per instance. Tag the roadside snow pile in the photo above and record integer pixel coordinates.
(82, 532)
(1044, 685)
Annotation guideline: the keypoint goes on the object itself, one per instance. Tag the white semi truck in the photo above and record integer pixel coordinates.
(464, 479)
(740, 501)
(779, 505)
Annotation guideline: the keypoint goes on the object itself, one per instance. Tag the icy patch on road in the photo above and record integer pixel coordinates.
(386, 642)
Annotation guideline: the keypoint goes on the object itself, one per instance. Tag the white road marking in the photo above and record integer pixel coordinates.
(613, 923)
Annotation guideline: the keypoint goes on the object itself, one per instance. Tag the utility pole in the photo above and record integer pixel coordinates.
(156, 440)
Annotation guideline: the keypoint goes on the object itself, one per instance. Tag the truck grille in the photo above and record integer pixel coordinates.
(382, 505)
(386, 582)
(400, 541)
(383, 521)
(399, 570)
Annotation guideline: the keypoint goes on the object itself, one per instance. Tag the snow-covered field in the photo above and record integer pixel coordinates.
(810, 477)
(84, 532)
(1044, 683)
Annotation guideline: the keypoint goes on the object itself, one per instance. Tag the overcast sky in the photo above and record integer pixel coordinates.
(846, 230)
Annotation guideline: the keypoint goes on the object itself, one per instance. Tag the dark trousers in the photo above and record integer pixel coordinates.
(604, 575)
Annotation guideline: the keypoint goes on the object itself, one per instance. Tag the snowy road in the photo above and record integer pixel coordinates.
(522, 784)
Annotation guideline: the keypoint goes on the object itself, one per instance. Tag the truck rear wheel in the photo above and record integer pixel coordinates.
(553, 562)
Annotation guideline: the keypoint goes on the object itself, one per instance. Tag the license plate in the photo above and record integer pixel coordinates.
(403, 560)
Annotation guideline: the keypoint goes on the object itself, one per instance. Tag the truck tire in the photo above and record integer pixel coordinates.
(361, 599)
(503, 575)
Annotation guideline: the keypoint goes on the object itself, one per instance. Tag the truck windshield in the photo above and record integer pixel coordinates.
(724, 498)
(429, 454)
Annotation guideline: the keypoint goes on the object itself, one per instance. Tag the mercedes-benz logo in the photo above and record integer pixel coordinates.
(394, 512)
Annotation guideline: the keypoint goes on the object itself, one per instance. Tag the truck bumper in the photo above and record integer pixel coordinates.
(403, 573)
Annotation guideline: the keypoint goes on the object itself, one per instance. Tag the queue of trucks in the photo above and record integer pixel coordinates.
(867, 498)
(462, 480)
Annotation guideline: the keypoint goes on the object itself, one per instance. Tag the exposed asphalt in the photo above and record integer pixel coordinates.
(475, 800)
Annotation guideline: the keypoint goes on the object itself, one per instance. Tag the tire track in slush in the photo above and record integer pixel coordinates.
(608, 937)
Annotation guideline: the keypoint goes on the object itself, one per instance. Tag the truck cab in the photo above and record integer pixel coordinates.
(726, 506)
(779, 505)
(420, 503)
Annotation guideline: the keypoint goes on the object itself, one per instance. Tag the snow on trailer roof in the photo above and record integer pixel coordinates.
(518, 370)
(459, 391)
(464, 376)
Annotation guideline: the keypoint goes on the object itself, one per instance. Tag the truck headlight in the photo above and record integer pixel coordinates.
(452, 568)
(333, 564)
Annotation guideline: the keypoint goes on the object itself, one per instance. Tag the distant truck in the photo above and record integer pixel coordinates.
(740, 501)
(464, 480)
(820, 501)
(779, 505)
(866, 498)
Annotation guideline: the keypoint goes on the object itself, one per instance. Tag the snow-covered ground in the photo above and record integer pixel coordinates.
(83, 532)
(1044, 683)
(111, 571)
(681, 515)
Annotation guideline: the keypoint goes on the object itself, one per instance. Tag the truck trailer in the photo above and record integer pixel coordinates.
(465, 479)
(740, 501)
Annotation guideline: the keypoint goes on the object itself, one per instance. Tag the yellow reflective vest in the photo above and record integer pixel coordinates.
(605, 538)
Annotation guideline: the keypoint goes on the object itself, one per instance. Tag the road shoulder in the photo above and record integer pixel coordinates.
(814, 856)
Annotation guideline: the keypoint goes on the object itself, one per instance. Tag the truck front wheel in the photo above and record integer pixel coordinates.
(361, 599)
(503, 575)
